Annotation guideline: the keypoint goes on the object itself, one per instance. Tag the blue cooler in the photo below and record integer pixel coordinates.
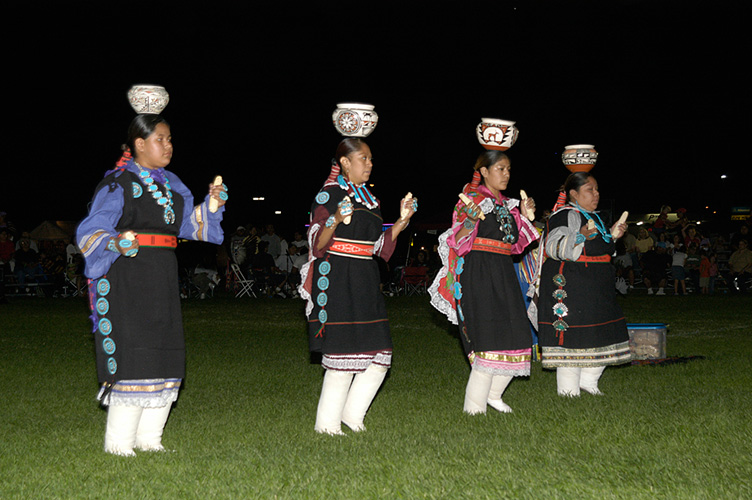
(647, 340)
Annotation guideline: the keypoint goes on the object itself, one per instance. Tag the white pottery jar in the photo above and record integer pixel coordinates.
(579, 157)
(496, 134)
(148, 99)
(355, 119)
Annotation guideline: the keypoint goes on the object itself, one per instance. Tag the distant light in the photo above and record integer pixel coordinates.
(639, 223)
(258, 198)
(699, 222)
(723, 176)
(278, 212)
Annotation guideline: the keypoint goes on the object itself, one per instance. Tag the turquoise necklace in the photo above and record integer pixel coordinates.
(599, 225)
(162, 199)
(504, 218)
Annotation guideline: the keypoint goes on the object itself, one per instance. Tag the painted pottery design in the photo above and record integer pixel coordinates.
(496, 134)
(355, 119)
(579, 157)
(148, 99)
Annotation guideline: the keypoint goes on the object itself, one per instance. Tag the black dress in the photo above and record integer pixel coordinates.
(143, 296)
(135, 301)
(580, 323)
(478, 287)
(492, 316)
(347, 320)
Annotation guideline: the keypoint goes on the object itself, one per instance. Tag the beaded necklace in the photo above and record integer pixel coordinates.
(163, 200)
(599, 225)
(504, 218)
(360, 193)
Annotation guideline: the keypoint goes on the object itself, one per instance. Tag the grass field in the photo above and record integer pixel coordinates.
(243, 426)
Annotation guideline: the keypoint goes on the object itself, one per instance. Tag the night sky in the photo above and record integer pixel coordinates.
(658, 89)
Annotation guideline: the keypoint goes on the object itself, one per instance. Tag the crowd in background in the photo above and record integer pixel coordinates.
(671, 256)
(677, 257)
(26, 263)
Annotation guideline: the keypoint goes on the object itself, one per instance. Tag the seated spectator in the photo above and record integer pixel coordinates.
(644, 242)
(27, 236)
(663, 242)
(266, 273)
(28, 265)
(274, 242)
(300, 242)
(655, 264)
(741, 234)
(740, 268)
(420, 259)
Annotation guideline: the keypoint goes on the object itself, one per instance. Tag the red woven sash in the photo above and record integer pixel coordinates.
(354, 248)
(157, 240)
(597, 258)
(494, 246)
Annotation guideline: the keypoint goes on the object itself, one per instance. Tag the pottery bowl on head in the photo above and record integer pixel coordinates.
(496, 134)
(579, 157)
(148, 99)
(355, 119)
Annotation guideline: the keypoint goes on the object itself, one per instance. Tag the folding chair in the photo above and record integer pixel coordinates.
(245, 284)
(415, 280)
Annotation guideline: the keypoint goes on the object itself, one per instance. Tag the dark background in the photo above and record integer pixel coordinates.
(659, 88)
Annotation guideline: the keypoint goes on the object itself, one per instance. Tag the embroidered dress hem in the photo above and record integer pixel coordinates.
(513, 363)
(150, 393)
(356, 362)
(615, 354)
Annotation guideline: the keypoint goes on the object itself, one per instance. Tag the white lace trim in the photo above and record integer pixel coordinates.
(437, 300)
(355, 363)
(306, 268)
(156, 399)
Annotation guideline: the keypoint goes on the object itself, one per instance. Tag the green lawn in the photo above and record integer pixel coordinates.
(243, 426)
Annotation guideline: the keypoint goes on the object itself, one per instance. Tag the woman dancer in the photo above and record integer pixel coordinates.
(581, 327)
(478, 287)
(128, 240)
(347, 320)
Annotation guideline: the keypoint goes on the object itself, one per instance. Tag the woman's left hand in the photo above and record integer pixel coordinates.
(527, 208)
(408, 207)
(219, 193)
(618, 230)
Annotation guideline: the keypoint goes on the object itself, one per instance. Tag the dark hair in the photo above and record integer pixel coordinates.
(142, 127)
(347, 147)
(575, 181)
(488, 158)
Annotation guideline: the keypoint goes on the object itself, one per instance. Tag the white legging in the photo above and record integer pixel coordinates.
(484, 388)
(570, 380)
(345, 398)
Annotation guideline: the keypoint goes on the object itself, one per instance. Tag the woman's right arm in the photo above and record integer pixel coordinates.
(464, 227)
(566, 241)
(95, 232)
